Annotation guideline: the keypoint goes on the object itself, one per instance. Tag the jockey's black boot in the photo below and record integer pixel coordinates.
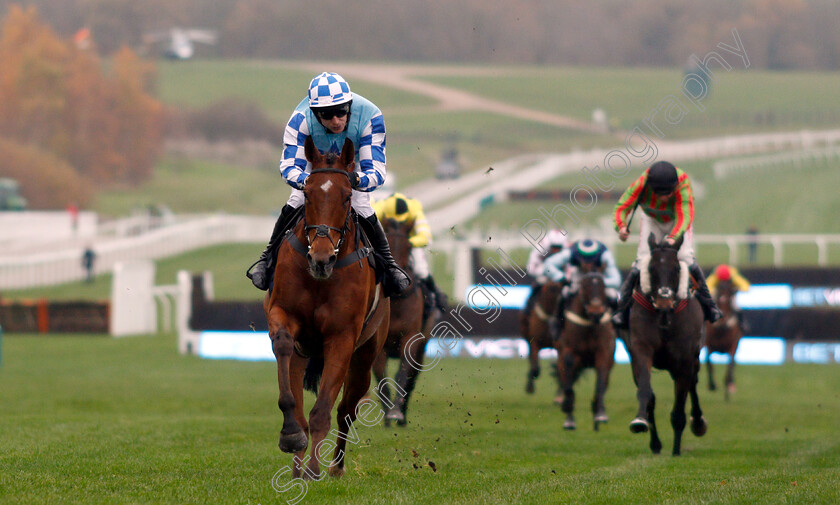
(441, 300)
(711, 312)
(622, 314)
(260, 272)
(745, 326)
(396, 281)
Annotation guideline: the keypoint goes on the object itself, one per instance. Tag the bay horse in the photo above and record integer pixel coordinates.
(535, 328)
(665, 332)
(407, 332)
(327, 317)
(587, 340)
(723, 336)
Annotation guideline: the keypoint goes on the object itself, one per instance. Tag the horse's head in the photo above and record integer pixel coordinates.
(724, 292)
(398, 234)
(593, 295)
(667, 278)
(327, 206)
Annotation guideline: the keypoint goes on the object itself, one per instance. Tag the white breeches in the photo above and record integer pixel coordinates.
(660, 230)
(419, 263)
(360, 201)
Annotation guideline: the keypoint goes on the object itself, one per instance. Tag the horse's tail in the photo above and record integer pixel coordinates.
(312, 375)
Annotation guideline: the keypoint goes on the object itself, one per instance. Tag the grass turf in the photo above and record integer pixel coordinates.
(97, 420)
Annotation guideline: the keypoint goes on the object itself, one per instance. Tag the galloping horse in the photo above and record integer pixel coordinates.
(665, 332)
(723, 336)
(326, 315)
(535, 328)
(587, 340)
(408, 330)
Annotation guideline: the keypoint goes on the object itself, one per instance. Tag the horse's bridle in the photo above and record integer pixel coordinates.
(323, 230)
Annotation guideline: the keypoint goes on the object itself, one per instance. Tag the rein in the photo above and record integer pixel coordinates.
(645, 302)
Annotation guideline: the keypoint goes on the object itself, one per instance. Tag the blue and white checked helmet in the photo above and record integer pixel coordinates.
(328, 89)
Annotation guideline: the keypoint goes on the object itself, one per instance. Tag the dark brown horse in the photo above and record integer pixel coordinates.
(535, 328)
(327, 317)
(407, 333)
(665, 332)
(587, 340)
(723, 336)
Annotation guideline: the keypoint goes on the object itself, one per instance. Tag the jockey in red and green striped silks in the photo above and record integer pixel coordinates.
(667, 211)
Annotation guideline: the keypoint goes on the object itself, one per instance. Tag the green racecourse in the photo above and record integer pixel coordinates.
(92, 420)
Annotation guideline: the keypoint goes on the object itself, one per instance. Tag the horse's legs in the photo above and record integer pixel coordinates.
(569, 363)
(681, 388)
(534, 368)
(641, 366)
(407, 377)
(337, 353)
(655, 443)
(380, 369)
(712, 384)
(292, 435)
(297, 369)
(356, 386)
(698, 422)
(730, 372)
(602, 369)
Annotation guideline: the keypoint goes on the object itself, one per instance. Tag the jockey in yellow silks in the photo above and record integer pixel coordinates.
(402, 208)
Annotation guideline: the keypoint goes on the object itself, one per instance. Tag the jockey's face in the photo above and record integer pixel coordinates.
(333, 118)
(335, 125)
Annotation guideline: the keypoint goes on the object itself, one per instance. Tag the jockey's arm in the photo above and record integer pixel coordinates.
(627, 202)
(421, 233)
(293, 165)
(683, 210)
(739, 281)
(554, 266)
(371, 151)
(535, 263)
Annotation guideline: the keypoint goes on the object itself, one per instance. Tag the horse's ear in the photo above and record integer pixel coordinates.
(310, 150)
(678, 243)
(348, 155)
(652, 241)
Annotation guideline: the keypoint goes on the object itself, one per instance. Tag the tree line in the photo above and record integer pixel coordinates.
(68, 126)
(778, 34)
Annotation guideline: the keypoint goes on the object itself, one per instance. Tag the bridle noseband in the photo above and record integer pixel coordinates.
(323, 230)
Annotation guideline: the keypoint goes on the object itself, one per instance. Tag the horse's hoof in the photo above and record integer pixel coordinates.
(639, 425)
(395, 415)
(402, 422)
(712, 387)
(386, 423)
(601, 418)
(569, 425)
(529, 388)
(699, 427)
(336, 471)
(731, 389)
(293, 442)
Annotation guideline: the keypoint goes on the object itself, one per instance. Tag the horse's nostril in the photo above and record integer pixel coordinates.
(308, 257)
(332, 259)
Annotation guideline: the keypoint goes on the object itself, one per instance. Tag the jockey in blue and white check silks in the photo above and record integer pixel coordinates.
(365, 128)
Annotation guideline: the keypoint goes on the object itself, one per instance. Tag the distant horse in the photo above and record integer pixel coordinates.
(408, 330)
(587, 340)
(327, 317)
(535, 328)
(723, 336)
(665, 332)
